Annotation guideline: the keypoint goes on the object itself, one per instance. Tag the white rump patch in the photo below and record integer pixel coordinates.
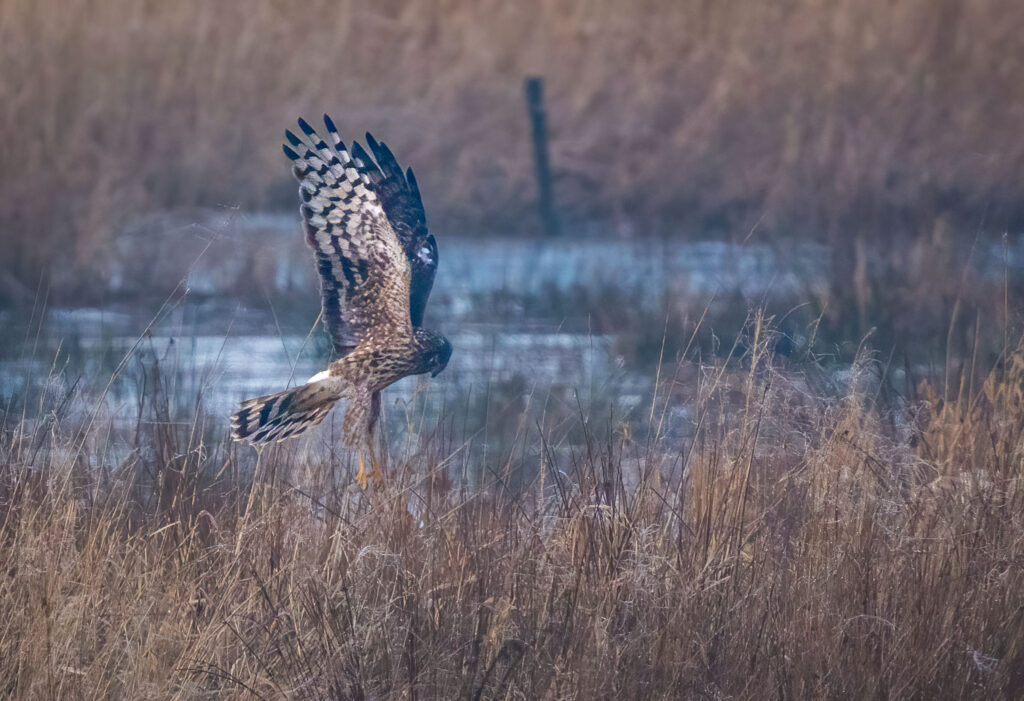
(319, 376)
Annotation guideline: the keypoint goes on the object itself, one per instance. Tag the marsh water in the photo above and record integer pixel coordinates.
(538, 327)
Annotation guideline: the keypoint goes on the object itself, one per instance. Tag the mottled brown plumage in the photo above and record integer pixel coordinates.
(374, 284)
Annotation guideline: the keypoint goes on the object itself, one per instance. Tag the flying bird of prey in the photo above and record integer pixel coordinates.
(365, 222)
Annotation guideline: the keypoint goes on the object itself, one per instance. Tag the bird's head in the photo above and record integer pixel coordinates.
(444, 354)
(435, 351)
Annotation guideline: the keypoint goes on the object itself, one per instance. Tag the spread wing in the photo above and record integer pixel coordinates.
(400, 196)
(364, 272)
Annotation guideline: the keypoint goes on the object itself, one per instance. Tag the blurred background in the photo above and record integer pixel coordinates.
(851, 168)
(742, 417)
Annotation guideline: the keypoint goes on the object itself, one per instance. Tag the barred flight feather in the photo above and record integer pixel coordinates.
(285, 414)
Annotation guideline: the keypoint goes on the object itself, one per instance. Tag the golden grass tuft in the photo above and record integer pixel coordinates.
(799, 545)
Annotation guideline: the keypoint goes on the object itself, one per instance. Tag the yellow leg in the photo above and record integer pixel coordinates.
(361, 476)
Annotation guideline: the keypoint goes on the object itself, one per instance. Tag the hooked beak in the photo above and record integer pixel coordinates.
(438, 371)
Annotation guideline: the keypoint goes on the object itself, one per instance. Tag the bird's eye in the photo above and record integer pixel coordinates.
(426, 255)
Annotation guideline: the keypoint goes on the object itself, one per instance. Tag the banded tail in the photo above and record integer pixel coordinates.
(275, 417)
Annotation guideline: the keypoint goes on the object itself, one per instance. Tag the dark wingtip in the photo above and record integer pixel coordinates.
(411, 178)
(385, 159)
(329, 123)
(288, 152)
(292, 139)
(304, 126)
(360, 154)
(371, 142)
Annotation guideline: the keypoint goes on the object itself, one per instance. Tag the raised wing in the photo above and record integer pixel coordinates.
(364, 272)
(400, 196)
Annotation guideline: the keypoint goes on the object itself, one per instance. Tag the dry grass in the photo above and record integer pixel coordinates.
(797, 542)
(799, 545)
(847, 120)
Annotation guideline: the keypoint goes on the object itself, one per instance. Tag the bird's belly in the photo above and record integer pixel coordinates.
(387, 377)
(377, 368)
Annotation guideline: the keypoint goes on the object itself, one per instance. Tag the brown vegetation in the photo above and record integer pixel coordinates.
(850, 119)
(753, 532)
(798, 546)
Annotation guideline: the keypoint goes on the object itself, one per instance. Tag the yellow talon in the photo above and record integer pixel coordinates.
(361, 475)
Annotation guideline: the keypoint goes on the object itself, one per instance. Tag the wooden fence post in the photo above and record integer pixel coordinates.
(538, 121)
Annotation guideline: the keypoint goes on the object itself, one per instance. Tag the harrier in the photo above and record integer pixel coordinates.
(365, 222)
